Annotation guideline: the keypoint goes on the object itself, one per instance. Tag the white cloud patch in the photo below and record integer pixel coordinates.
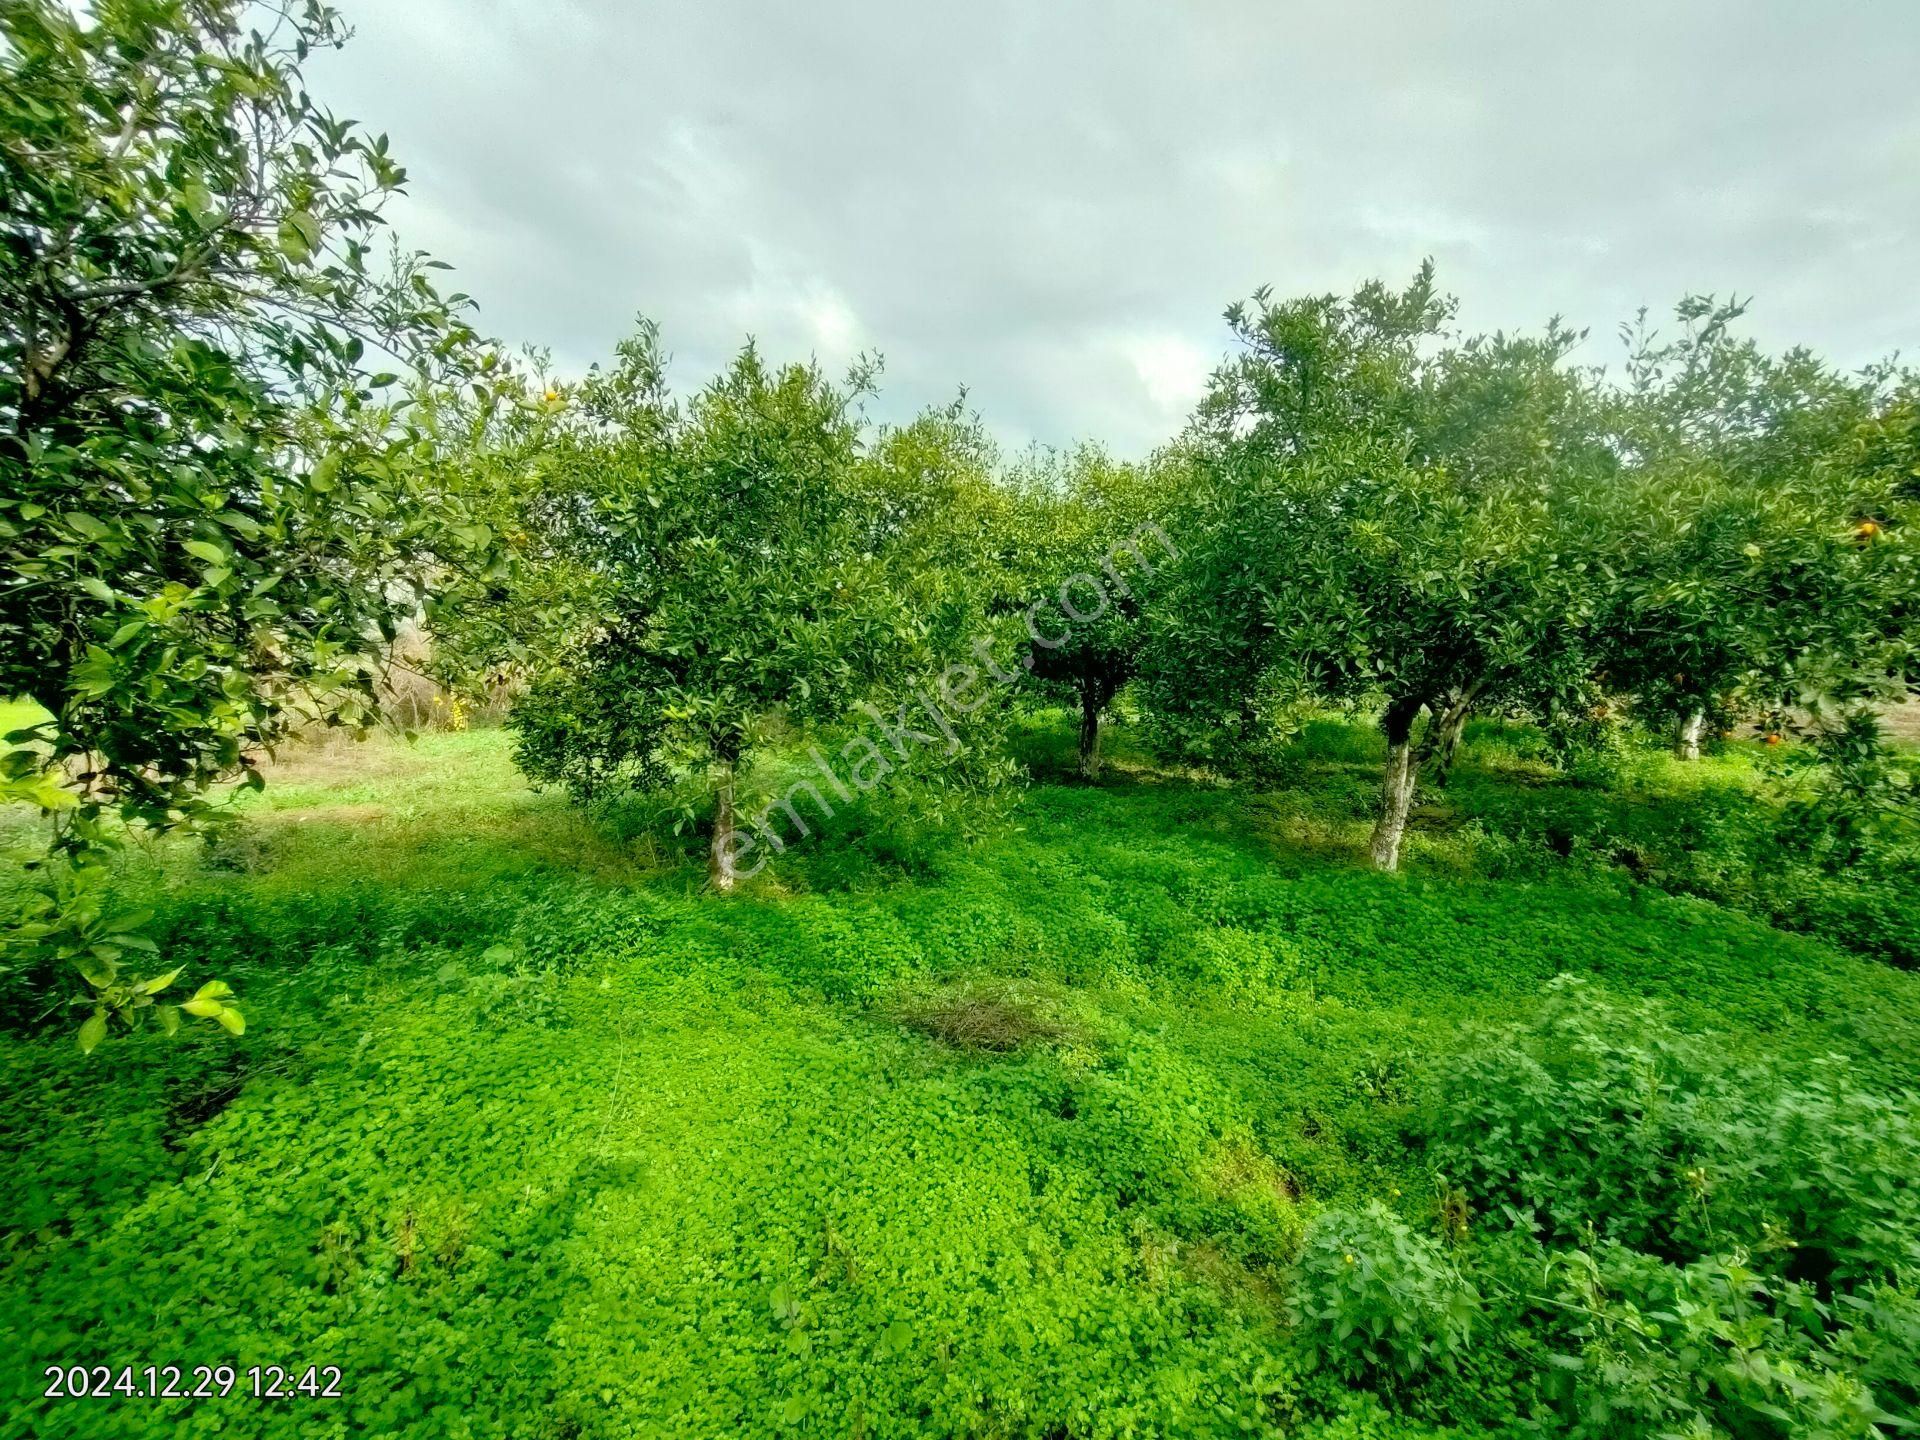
(1171, 369)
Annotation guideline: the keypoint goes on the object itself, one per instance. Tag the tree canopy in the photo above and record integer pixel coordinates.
(730, 558)
(213, 512)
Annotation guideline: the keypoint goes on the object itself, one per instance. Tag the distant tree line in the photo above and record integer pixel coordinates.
(1368, 509)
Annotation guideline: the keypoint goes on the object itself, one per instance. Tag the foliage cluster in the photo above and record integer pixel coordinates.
(1665, 1240)
(214, 511)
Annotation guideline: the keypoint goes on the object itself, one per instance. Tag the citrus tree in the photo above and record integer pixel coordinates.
(1318, 390)
(211, 518)
(725, 573)
(936, 518)
(945, 536)
(1763, 566)
(1740, 573)
(1091, 542)
(1390, 517)
(1520, 436)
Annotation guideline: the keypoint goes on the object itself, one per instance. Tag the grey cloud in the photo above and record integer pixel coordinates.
(1052, 204)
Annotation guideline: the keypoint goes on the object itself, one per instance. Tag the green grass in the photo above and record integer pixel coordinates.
(532, 1137)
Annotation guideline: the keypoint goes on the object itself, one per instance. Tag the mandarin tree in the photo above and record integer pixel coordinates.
(1092, 544)
(727, 572)
(1390, 517)
(212, 519)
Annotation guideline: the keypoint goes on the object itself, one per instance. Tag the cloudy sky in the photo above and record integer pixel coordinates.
(1051, 203)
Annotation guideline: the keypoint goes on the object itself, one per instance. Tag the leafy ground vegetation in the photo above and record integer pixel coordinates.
(1150, 1110)
(1389, 915)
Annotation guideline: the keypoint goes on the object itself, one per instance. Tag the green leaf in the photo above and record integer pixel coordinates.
(86, 525)
(232, 1021)
(299, 236)
(93, 1031)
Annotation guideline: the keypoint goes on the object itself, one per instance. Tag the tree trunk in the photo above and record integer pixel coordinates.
(1686, 739)
(1450, 727)
(1396, 789)
(1089, 732)
(720, 864)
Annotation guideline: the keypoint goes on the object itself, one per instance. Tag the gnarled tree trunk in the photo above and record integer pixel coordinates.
(720, 862)
(1686, 736)
(1396, 789)
(1090, 707)
(1448, 727)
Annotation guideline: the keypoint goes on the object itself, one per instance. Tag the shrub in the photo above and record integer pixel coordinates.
(1638, 1347)
(1702, 1245)
(1378, 1299)
(1584, 1120)
(1596, 1120)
